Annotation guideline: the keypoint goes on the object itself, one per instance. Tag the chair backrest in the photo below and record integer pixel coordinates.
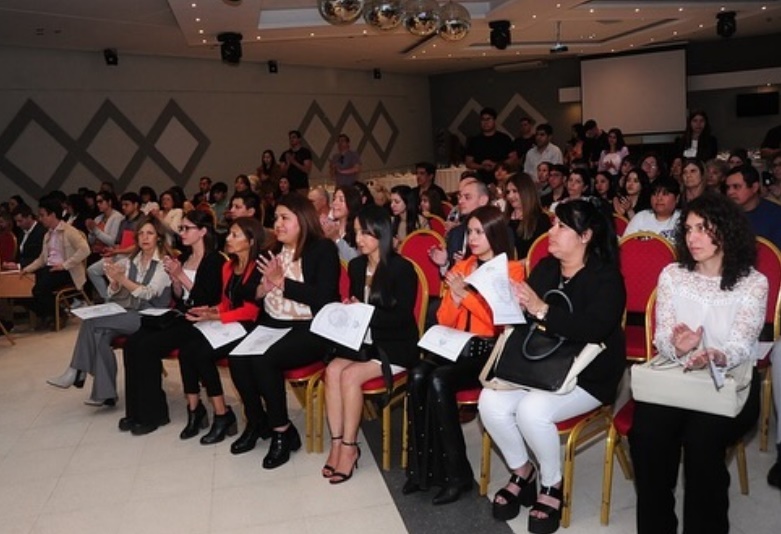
(537, 251)
(344, 281)
(643, 256)
(769, 264)
(650, 325)
(415, 247)
(421, 298)
(620, 223)
(447, 207)
(437, 224)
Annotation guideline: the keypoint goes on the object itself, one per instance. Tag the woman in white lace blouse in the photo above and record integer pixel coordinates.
(710, 307)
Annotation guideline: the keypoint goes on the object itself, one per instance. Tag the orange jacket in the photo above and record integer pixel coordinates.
(482, 323)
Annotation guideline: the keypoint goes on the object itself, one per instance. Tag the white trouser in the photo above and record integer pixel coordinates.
(775, 369)
(513, 417)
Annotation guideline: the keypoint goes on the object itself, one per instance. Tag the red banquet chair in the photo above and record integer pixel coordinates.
(537, 251)
(415, 247)
(769, 264)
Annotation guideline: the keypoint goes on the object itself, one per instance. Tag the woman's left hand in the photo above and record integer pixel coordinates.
(115, 272)
(203, 313)
(700, 358)
(527, 298)
(271, 269)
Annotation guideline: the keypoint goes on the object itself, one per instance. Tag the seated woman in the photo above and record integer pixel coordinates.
(406, 218)
(694, 181)
(195, 281)
(576, 184)
(524, 212)
(583, 263)
(341, 230)
(431, 204)
(634, 196)
(382, 278)
(603, 187)
(140, 282)
(710, 308)
(197, 357)
(437, 452)
(299, 278)
(662, 217)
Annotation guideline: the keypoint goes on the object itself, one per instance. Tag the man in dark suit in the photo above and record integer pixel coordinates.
(30, 242)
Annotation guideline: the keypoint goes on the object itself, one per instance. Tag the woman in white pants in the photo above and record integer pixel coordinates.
(582, 264)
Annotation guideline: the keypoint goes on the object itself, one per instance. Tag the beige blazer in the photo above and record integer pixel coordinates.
(76, 251)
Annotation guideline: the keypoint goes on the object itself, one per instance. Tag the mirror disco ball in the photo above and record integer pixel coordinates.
(422, 17)
(383, 15)
(454, 22)
(340, 12)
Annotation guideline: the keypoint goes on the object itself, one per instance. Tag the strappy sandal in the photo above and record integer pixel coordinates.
(512, 502)
(338, 477)
(550, 523)
(328, 470)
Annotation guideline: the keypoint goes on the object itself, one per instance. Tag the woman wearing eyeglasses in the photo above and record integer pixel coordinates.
(195, 281)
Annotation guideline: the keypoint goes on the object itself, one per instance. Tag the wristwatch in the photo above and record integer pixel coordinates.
(541, 313)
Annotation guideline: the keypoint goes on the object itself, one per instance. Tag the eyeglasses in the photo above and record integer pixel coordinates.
(186, 228)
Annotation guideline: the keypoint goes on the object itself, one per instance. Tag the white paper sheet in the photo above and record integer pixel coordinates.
(157, 312)
(345, 324)
(445, 341)
(492, 281)
(259, 341)
(98, 310)
(219, 334)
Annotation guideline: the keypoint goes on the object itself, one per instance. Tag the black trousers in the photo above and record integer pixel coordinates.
(198, 364)
(145, 399)
(659, 434)
(261, 378)
(437, 451)
(46, 283)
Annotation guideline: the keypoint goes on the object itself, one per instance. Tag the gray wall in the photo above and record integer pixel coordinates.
(454, 96)
(67, 119)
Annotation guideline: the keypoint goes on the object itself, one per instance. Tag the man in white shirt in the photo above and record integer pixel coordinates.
(662, 218)
(543, 150)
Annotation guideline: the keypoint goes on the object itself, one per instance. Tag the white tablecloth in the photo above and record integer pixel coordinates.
(448, 178)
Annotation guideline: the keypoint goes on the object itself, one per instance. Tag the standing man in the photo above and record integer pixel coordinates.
(61, 262)
(485, 151)
(345, 164)
(765, 217)
(543, 150)
(523, 142)
(296, 163)
(595, 143)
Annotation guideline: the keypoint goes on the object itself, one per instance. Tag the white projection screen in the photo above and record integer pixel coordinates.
(642, 93)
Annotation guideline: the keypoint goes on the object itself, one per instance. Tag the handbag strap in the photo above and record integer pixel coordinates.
(495, 354)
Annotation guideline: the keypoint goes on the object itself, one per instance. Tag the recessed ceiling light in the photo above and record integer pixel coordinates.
(534, 16)
(631, 46)
(434, 45)
(414, 57)
(680, 9)
(203, 41)
(257, 37)
(558, 6)
(637, 10)
(483, 54)
(702, 25)
(200, 31)
(365, 32)
(193, 5)
(312, 34)
(197, 19)
(675, 33)
(652, 39)
(763, 9)
(612, 49)
(450, 55)
(591, 10)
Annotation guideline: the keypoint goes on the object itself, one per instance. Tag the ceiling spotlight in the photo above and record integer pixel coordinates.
(111, 57)
(500, 34)
(726, 25)
(230, 49)
(273, 67)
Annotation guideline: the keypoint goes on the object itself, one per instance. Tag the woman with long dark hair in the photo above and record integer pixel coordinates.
(524, 213)
(635, 195)
(710, 309)
(698, 142)
(583, 264)
(340, 228)
(195, 278)
(300, 276)
(610, 159)
(382, 278)
(406, 218)
(437, 452)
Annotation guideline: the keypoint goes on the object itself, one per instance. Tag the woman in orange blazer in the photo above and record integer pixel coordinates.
(437, 449)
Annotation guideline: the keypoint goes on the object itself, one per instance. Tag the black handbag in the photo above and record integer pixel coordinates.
(527, 356)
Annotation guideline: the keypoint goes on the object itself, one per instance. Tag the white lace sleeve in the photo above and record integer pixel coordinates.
(665, 314)
(751, 301)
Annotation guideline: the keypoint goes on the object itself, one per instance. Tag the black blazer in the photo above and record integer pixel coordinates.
(320, 267)
(394, 327)
(32, 247)
(598, 300)
(207, 286)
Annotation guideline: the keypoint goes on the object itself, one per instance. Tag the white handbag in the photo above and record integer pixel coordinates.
(660, 381)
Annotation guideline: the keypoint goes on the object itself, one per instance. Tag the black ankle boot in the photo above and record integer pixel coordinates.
(196, 420)
(223, 425)
(252, 433)
(282, 444)
(452, 491)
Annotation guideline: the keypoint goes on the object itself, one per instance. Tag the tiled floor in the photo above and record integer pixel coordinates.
(64, 467)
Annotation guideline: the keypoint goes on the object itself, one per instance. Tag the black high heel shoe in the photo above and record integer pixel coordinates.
(81, 376)
(222, 425)
(282, 444)
(550, 523)
(249, 438)
(328, 470)
(337, 477)
(196, 420)
(512, 503)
